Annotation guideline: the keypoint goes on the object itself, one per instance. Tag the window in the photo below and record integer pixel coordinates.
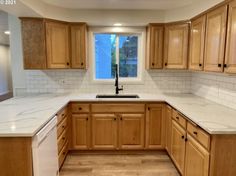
(110, 48)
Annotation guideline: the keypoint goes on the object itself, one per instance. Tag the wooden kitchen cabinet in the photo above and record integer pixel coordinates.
(131, 131)
(154, 54)
(168, 126)
(57, 43)
(178, 145)
(197, 41)
(78, 45)
(196, 159)
(230, 58)
(155, 126)
(176, 46)
(104, 131)
(81, 128)
(215, 39)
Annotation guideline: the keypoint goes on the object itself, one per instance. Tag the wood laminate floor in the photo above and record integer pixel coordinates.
(138, 164)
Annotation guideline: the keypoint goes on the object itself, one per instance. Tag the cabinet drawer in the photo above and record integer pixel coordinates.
(200, 135)
(63, 154)
(62, 140)
(179, 118)
(79, 108)
(61, 115)
(61, 127)
(122, 108)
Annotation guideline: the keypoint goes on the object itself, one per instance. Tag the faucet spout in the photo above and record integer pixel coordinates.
(117, 81)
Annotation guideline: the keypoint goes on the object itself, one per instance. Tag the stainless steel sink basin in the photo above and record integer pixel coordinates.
(117, 96)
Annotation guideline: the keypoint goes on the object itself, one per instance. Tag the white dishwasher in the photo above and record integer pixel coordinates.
(44, 148)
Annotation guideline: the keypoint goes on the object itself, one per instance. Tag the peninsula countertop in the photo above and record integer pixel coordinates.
(24, 116)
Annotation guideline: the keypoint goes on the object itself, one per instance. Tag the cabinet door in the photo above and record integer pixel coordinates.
(78, 45)
(230, 59)
(131, 131)
(155, 126)
(81, 127)
(197, 39)
(215, 40)
(155, 35)
(168, 120)
(178, 146)
(57, 41)
(104, 131)
(176, 46)
(197, 159)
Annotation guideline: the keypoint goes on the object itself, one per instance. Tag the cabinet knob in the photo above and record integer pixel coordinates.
(153, 64)
(63, 138)
(200, 65)
(67, 63)
(149, 108)
(166, 64)
(225, 65)
(219, 65)
(80, 108)
(177, 117)
(114, 119)
(121, 118)
(182, 137)
(186, 139)
(195, 132)
(82, 63)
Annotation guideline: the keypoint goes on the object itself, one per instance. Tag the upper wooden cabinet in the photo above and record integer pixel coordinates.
(215, 39)
(57, 44)
(78, 45)
(155, 126)
(230, 58)
(33, 41)
(154, 50)
(52, 44)
(197, 39)
(176, 45)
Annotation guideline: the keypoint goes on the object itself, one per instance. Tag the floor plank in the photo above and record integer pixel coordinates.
(139, 164)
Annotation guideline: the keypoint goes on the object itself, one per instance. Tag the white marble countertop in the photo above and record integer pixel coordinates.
(26, 115)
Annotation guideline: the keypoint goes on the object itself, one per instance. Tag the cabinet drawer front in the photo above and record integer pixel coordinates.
(61, 127)
(79, 108)
(62, 140)
(179, 118)
(61, 115)
(200, 135)
(106, 108)
(63, 154)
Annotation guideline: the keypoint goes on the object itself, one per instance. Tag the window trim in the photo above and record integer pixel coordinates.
(139, 31)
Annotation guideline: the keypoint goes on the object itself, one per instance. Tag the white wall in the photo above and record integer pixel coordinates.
(5, 70)
(18, 73)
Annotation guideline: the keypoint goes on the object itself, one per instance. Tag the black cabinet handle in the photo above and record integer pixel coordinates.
(149, 108)
(177, 117)
(153, 64)
(195, 132)
(80, 108)
(121, 118)
(186, 139)
(115, 119)
(225, 65)
(182, 137)
(67, 63)
(219, 65)
(87, 118)
(200, 65)
(82, 64)
(166, 64)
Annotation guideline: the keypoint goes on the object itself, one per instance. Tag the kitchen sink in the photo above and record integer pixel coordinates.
(117, 96)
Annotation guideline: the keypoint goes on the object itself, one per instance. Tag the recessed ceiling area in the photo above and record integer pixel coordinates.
(121, 4)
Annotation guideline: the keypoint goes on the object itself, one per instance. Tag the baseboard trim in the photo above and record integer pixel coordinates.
(6, 96)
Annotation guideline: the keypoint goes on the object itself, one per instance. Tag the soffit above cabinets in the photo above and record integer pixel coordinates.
(121, 4)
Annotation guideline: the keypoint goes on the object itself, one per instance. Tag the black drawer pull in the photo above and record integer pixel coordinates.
(195, 132)
(219, 65)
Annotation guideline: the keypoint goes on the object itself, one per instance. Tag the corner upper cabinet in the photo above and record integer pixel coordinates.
(78, 45)
(215, 39)
(57, 43)
(230, 58)
(52, 44)
(197, 39)
(33, 41)
(176, 45)
(154, 55)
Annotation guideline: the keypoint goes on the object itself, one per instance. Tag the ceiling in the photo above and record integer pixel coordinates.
(4, 39)
(121, 4)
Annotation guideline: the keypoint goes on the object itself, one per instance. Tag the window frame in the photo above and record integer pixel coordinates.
(140, 32)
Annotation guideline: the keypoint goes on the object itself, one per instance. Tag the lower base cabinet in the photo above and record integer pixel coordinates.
(196, 159)
(131, 131)
(178, 146)
(104, 131)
